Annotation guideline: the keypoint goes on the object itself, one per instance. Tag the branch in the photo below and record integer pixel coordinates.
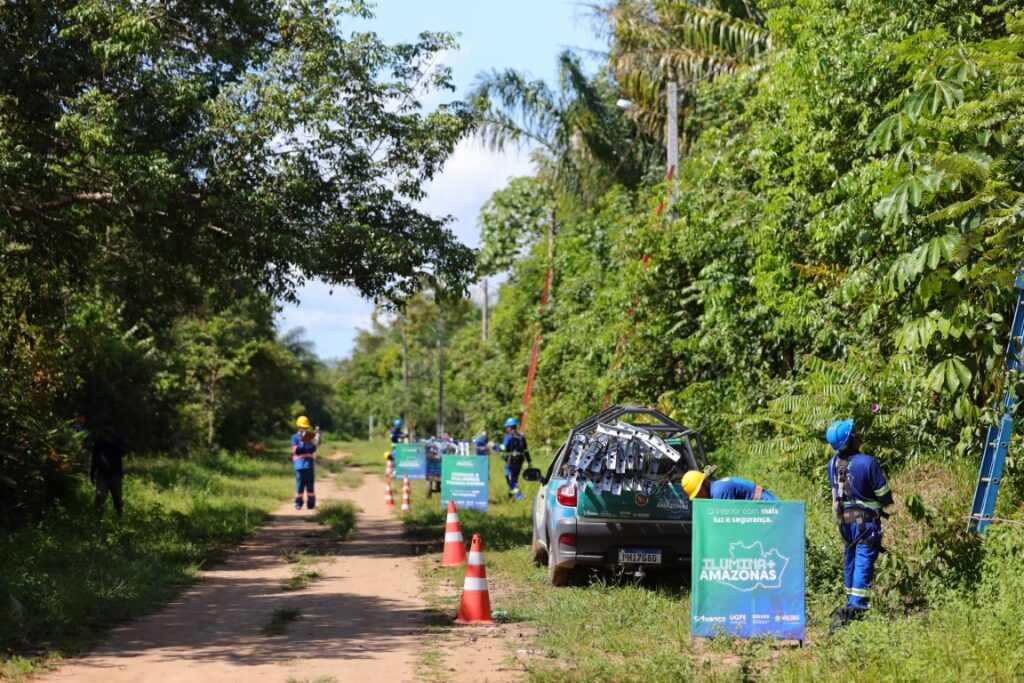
(80, 198)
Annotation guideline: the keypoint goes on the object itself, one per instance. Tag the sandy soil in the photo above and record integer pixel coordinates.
(365, 620)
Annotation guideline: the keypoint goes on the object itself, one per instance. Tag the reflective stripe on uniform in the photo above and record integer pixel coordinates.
(882, 491)
(869, 504)
(859, 592)
(472, 584)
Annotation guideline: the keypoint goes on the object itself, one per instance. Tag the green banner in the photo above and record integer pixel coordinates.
(410, 459)
(464, 479)
(748, 569)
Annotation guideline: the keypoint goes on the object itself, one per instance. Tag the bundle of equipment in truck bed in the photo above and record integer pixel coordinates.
(619, 457)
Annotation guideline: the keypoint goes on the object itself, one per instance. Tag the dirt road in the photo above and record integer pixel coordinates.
(363, 621)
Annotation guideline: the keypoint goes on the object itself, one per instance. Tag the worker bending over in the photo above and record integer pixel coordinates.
(303, 449)
(701, 485)
(859, 494)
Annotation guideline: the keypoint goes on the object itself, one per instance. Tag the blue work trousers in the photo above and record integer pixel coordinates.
(863, 543)
(512, 468)
(304, 482)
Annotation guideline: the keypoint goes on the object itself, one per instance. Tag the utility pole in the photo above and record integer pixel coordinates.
(440, 371)
(486, 313)
(405, 376)
(672, 129)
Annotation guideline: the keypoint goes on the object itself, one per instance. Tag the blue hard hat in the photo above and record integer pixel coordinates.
(838, 433)
(397, 423)
(511, 422)
(480, 440)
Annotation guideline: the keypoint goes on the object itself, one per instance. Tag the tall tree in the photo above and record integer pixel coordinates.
(685, 41)
(581, 142)
(155, 143)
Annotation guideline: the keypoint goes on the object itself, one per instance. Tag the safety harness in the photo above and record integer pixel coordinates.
(844, 505)
(516, 448)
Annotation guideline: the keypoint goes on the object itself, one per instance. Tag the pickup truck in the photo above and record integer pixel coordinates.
(575, 527)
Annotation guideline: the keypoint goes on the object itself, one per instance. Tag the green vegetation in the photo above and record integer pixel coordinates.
(301, 578)
(339, 516)
(195, 166)
(279, 620)
(73, 576)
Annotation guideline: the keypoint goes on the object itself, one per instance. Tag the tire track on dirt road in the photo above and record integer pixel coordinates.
(364, 620)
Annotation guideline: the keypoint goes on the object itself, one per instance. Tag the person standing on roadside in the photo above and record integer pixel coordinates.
(303, 459)
(513, 451)
(106, 470)
(860, 493)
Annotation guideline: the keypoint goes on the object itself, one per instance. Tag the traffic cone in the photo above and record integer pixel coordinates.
(454, 546)
(405, 493)
(476, 601)
(388, 500)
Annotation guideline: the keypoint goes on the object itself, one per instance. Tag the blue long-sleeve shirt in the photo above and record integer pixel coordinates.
(866, 485)
(302, 453)
(735, 488)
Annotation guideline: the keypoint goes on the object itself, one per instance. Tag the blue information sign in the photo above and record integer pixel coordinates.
(748, 569)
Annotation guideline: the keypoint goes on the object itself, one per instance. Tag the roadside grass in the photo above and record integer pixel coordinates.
(366, 455)
(70, 577)
(623, 629)
(279, 620)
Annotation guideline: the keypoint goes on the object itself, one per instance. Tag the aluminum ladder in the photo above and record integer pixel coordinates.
(998, 439)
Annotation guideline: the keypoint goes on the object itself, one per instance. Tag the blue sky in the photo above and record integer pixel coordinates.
(526, 35)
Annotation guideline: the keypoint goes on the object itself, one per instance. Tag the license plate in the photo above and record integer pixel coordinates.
(639, 556)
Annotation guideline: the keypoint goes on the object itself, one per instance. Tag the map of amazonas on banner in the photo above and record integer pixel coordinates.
(748, 569)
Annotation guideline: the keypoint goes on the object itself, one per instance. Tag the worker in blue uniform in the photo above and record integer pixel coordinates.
(480, 444)
(860, 493)
(700, 485)
(303, 457)
(514, 451)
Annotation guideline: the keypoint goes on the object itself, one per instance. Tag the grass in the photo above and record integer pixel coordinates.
(339, 517)
(301, 578)
(279, 620)
(74, 577)
(617, 628)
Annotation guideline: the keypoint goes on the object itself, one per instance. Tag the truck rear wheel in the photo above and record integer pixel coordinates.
(557, 576)
(540, 556)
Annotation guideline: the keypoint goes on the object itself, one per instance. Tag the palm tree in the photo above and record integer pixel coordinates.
(580, 141)
(685, 41)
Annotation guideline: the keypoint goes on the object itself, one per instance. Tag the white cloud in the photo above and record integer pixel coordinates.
(469, 178)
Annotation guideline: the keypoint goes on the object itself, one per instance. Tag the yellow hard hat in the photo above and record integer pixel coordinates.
(387, 454)
(303, 422)
(692, 481)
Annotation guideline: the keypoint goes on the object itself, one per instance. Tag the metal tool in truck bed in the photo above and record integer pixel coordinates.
(612, 496)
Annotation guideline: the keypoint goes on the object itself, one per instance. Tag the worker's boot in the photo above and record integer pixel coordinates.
(842, 616)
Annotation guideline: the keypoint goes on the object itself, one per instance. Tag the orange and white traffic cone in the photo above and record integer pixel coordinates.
(388, 500)
(476, 601)
(405, 493)
(454, 546)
